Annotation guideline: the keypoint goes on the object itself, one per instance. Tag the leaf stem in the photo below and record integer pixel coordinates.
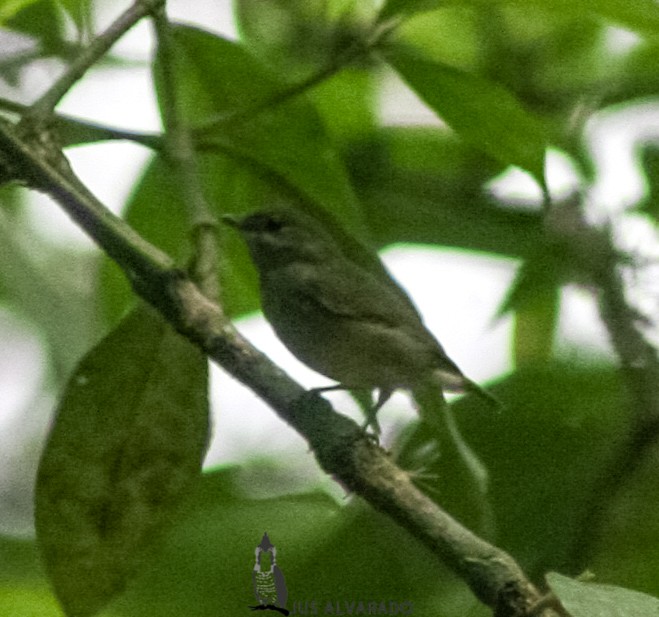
(181, 154)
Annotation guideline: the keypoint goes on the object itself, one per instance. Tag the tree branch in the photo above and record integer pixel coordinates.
(340, 446)
(357, 49)
(45, 105)
(180, 152)
(594, 254)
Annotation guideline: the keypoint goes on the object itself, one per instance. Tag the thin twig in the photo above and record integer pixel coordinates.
(181, 154)
(338, 443)
(357, 49)
(69, 127)
(45, 105)
(594, 254)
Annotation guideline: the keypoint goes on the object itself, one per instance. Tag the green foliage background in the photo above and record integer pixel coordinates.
(509, 78)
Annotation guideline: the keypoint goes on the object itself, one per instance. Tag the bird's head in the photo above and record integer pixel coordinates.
(279, 237)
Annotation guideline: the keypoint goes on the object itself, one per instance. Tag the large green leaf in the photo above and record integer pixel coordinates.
(285, 140)
(423, 185)
(332, 553)
(544, 452)
(128, 441)
(482, 112)
(276, 142)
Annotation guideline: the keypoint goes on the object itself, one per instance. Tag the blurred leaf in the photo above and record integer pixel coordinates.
(347, 103)
(28, 601)
(636, 75)
(423, 185)
(128, 441)
(42, 20)
(545, 453)
(19, 561)
(650, 167)
(534, 297)
(408, 7)
(642, 15)
(583, 599)
(329, 552)
(482, 112)
(80, 13)
(461, 40)
(48, 287)
(286, 140)
(626, 549)
(535, 326)
(24, 591)
(9, 8)
(295, 37)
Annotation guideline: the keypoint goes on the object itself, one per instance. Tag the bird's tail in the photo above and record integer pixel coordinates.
(455, 381)
(474, 388)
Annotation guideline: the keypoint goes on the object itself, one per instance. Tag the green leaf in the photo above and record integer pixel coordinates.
(642, 15)
(278, 142)
(482, 112)
(328, 550)
(286, 140)
(128, 441)
(59, 305)
(42, 20)
(535, 326)
(569, 421)
(583, 599)
(408, 7)
(80, 13)
(423, 185)
(534, 297)
(9, 8)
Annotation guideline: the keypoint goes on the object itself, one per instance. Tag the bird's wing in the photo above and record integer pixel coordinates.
(356, 294)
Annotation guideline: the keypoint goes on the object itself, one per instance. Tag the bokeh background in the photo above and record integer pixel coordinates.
(463, 231)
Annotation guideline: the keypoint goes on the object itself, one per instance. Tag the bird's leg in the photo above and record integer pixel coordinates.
(370, 411)
(337, 386)
(371, 414)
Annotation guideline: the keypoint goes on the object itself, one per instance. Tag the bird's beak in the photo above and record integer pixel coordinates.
(231, 220)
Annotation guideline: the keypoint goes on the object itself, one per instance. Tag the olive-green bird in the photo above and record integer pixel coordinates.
(339, 318)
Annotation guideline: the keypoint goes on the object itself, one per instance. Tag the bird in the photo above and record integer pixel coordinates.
(338, 317)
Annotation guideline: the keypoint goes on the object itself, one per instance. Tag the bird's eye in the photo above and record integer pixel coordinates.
(272, 225)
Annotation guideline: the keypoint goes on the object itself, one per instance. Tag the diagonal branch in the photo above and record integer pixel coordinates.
(339, 445)
(358, 48)
(45, 105)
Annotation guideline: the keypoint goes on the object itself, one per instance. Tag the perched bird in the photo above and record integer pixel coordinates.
(338, 317)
